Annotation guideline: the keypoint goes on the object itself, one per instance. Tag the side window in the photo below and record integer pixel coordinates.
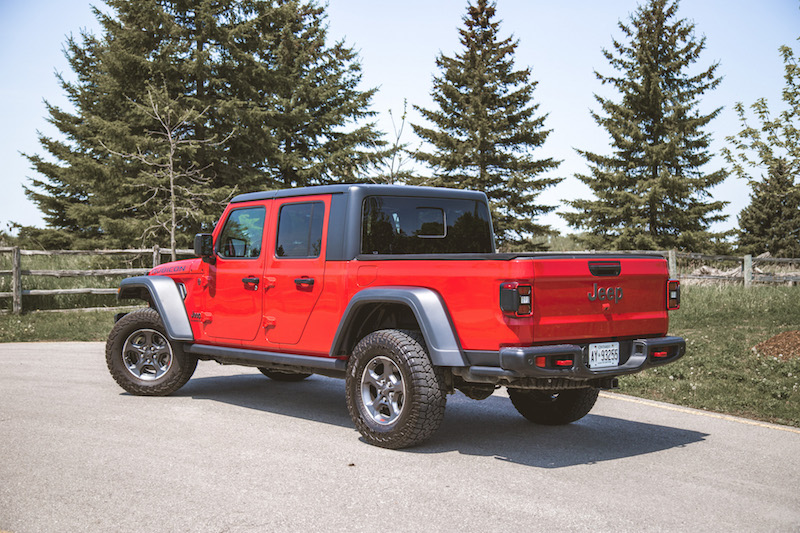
(300, 230)
(242, 234)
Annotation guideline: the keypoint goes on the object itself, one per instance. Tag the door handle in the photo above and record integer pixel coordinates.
(254, 281)
(304, 281)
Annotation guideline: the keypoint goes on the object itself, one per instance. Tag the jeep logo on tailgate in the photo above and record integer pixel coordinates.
(612, 294)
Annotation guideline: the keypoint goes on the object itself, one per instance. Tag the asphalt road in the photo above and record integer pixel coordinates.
(233, 451)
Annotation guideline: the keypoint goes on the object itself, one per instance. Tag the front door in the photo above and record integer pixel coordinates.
(296, 269)
(234, 290)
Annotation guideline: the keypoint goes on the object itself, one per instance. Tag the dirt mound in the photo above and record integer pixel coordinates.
(784, 346)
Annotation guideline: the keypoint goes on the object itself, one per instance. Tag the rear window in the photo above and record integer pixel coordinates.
(405, 225)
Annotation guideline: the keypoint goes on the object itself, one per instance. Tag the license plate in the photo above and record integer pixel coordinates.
(604, 355)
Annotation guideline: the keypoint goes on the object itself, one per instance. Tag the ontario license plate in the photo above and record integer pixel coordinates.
(603, 355)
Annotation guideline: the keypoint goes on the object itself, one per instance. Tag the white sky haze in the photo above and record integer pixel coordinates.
(398, 42)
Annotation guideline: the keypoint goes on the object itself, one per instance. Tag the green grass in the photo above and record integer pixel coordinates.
(68, 326)
(720, 371)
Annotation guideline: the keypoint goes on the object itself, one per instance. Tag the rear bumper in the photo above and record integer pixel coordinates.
(521, 362)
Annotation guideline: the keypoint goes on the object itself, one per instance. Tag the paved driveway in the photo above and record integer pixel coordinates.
(233, 451)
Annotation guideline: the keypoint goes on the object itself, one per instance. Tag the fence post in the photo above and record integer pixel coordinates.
(156, 256)
(672, 261)
(748, 271)
(16, 280)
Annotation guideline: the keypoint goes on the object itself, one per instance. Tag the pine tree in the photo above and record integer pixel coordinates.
(771, 223)
(316, 95)
(651, 192)
(772, 220)
(485, 129)
(257, 75)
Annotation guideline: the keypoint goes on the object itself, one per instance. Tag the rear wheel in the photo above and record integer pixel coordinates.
(283, 375)
(395, 396)
(142, 359)
(553, 408)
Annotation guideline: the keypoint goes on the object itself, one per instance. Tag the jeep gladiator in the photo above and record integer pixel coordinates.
(398, 290)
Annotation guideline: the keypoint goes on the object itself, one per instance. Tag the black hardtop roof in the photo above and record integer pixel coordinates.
(363, 190)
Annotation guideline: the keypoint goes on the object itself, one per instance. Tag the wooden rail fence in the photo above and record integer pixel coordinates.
(17, 272)
(748, 274)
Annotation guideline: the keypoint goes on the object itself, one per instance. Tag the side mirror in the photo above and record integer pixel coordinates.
(204, 247)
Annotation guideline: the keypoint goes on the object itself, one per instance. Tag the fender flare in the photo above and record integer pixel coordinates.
(167, 300)
(429, 310)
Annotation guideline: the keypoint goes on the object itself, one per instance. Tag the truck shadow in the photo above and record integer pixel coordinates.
(492, 427)
(487, 428)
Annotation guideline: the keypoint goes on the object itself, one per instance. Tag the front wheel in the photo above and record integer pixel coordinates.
(553, 408)
(142, 359)
(395, 396)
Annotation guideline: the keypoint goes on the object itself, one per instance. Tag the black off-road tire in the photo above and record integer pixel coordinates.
(282, 375)
(553, 408)
(392, 368)
(142, 359)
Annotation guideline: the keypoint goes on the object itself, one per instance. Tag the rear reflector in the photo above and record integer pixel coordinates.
(659, 354)
(560, 361)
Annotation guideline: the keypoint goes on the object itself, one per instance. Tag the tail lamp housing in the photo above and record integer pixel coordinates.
(516, 299)
(673, 294)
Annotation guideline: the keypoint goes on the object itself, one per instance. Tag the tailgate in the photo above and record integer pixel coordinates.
(599, 297)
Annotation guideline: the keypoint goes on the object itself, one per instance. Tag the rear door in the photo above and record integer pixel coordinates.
(295, 274)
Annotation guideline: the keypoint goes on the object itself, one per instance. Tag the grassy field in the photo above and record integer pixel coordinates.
(66, 326)
(720, 372)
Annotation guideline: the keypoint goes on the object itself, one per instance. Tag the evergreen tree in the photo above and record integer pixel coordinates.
(316, 95)
(272, 106)
(485, 129)
(651, 192)
(772, 220)
(771, 223)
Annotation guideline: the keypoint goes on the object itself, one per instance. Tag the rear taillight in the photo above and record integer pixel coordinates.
(673, 294)
(516, 299)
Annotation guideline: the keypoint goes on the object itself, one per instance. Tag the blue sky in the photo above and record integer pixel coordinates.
(398, 43)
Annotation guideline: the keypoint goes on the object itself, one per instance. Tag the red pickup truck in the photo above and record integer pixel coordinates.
(399, 291)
